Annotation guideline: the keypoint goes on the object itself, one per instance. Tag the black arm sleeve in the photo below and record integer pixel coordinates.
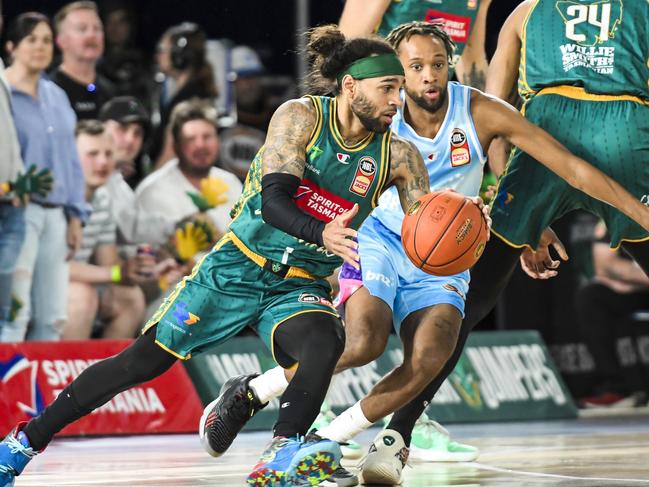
(279, 210)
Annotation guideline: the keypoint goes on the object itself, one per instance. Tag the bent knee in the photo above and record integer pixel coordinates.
(365, 341)
(328, 338)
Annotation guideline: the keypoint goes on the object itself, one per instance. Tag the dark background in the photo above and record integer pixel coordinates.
(269, 27)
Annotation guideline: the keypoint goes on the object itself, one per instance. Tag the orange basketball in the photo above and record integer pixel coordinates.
(444, 233)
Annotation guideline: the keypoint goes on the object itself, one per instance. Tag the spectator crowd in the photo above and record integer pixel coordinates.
(111, 175)
(117, 172)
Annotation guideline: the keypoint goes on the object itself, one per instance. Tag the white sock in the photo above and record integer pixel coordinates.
(351, 422)
(269, 385)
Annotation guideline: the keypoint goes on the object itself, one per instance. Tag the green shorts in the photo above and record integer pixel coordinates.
(611, 135)
(227, 292)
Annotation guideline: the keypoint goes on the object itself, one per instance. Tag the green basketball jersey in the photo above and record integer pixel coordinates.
(335, 177)
(457, 16)
(601, 46)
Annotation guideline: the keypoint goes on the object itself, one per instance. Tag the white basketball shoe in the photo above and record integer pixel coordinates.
(385, 459)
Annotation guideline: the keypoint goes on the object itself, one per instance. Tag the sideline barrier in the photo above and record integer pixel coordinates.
(33, 373)
(501, 376)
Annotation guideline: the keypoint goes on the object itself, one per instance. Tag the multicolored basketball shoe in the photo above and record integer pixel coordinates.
(289, 462)
(349, 281)
(316, 461)
(351, 450)
(224, 417)
(270, 470)
(15, 454)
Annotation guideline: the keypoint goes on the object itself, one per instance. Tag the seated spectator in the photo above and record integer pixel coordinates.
(44, 123)
(181, 56)
(605, 307)
(127, 122)
(102, 286)
(80, 36)
(168, 189)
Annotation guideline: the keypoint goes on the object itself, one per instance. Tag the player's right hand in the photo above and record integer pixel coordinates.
(338, 238)
(540, 264)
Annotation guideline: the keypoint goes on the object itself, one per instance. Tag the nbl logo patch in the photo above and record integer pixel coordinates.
(365, 174)
(460, 154)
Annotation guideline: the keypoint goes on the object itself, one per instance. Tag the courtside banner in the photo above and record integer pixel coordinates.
(33, 373)
(501, 376)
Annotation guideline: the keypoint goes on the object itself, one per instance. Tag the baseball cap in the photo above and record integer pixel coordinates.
(125, 109)
(245, 61)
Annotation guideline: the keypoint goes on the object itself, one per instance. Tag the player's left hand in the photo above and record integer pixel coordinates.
(485, 212)
(540, 264)
(338, 238)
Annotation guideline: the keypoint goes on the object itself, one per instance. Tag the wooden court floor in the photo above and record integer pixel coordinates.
(592, 452)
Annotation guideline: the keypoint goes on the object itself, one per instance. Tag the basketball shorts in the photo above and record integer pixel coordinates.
(388, 274)
(611, 135)
(227, 292)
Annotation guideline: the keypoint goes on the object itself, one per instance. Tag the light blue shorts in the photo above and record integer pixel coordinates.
(389, 275)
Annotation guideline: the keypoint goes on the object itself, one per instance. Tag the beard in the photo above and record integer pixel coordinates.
(365, 110)
(429, 106)
(194, 170)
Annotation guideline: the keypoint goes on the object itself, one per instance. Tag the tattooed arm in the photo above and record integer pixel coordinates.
(407, 171)
(288, 135)
(284, 160)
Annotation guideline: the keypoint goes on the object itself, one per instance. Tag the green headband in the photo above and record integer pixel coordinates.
(373, 67)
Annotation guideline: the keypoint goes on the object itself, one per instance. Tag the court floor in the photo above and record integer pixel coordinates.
(593, 452)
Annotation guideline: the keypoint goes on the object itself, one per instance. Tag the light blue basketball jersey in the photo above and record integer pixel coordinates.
(454, 158)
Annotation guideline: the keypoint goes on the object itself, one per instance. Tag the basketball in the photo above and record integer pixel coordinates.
(444, 233)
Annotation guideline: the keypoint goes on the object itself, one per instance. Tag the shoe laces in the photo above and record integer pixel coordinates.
(15, 446)
(431, 427)
(240, 405)
(311, 437)
(275, 444)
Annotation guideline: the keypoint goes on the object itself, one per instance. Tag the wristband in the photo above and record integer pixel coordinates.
(116, 274)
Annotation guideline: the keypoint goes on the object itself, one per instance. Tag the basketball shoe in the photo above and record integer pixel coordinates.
(290, 462)
(384, 462)
(431, 442)
(15, 453)
(224, 417)
(351, 450)
(341, 478)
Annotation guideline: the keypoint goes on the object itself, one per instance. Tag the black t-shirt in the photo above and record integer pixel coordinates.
(86, 100)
